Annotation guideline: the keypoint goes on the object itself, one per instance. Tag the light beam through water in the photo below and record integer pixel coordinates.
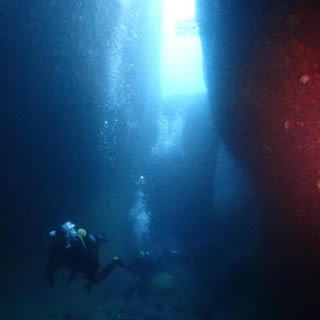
(181, 66)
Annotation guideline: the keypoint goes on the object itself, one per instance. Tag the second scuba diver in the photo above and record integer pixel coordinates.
(144, 266)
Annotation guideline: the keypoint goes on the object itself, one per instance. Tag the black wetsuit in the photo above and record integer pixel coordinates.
(80, 257)
(144, 268)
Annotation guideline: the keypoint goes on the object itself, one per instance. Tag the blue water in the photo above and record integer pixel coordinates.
(99, 129)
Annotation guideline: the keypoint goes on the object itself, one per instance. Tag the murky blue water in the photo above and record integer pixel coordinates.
(107, 123)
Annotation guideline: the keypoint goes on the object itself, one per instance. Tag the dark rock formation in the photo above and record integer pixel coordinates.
(262, 66)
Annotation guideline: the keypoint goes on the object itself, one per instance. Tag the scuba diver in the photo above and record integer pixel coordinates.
(77, 250)
(144, 267)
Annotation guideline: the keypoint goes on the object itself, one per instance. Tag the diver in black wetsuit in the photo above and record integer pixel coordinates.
(144, 267)
(77, 251)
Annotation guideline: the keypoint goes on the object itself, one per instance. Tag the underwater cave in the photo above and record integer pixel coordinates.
(184, 125)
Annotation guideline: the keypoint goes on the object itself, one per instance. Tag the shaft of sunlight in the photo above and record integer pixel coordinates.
(181, 56)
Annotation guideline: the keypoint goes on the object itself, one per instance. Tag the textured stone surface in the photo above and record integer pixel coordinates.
(263, 75)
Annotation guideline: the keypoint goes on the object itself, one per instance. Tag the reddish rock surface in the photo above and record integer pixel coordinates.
(263, 69)
(282, 89)
(283, 86)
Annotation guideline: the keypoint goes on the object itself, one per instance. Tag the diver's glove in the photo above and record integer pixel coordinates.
(119, 262)
(102, 238)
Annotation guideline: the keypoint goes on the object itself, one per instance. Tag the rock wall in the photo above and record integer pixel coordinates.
(262, 66)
